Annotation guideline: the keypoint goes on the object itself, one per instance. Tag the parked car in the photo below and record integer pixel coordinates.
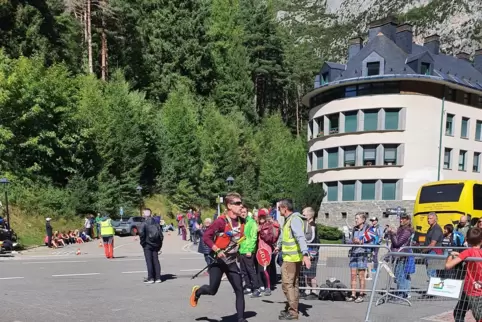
(128, 226)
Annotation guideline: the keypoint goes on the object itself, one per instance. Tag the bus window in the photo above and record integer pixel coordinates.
(441, 193)
(477, 197)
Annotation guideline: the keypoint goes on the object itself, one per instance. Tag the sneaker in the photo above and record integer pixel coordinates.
(262, 289)
(287, 317)
(158, 281)
(149, 282)
(374, 270)
(256, 293)
(311, 297)
(350, 298)
(267, 292)
(360, 299)
(248, 291)
(194, 299)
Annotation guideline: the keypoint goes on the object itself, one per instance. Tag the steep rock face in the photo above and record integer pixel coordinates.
(458, 22)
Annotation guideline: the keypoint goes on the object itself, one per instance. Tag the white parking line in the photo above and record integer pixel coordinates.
(121, 246)
(190, 258)
(127, 260)
(11, 278)
(134, 272)
(54, 262)
(68, 275)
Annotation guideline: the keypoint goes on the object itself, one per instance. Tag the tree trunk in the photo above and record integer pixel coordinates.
(88, 19)
(104, 44)
(297, 111)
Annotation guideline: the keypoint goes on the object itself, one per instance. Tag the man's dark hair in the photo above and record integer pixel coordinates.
(287, 203)
(474, 236)
(449, 228)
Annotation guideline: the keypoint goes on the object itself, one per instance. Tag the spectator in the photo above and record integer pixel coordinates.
(182, 226)
(87, 225)
(48, 229)
(405, 266)
(379, 237)
(309, 275)
(58, 239)
(433, 238)
(359, 257)
(267, 233)
(247, 251)
(452, 238)
(203, 248)
(472, 292)
(462, 226)
(98, 220)
(151, 239)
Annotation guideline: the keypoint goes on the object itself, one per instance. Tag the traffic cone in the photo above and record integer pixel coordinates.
(135, 238)
(100, 244)
(77, 252)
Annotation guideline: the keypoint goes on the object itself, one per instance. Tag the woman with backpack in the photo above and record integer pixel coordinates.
(405, 266)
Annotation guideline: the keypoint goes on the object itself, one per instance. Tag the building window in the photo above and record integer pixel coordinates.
(332, 158)
(332, 193)
(368, 190)
(343, 215)
(325, 78)
(371, 120)
(425, 69)
(447, 158)
(476, 164)
(390, 155)
(350, 156)
(391, 119)
(466, 98)
(351, 121)
(449, 125)
(369, 155)
(319, 160)
(478, 127)
(389, 190)
(462, 162)
(327, 215)
(373, 68)
(350, 91)
(465, 128)
(348, 191)
(333, 122)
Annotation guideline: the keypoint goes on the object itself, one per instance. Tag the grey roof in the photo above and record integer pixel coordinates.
(449, 68)
(336, 65)
(413, 57)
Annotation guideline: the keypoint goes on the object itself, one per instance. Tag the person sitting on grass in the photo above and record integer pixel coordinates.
(58, 239)
(472, 292)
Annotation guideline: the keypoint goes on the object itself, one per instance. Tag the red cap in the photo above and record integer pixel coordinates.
(262, 212)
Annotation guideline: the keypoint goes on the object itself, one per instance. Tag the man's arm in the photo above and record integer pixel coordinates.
(297, 229)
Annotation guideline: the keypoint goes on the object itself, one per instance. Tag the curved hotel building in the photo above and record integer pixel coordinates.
(396, 116)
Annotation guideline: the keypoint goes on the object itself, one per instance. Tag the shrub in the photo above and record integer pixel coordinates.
(328, 232)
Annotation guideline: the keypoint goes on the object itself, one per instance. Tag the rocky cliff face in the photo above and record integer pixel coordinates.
(458, 22)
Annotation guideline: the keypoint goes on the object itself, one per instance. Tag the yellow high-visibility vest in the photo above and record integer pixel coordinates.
(106, 228)
(289, 246)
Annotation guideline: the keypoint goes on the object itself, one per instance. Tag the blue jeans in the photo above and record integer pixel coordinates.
(403, 279)
(431, 272)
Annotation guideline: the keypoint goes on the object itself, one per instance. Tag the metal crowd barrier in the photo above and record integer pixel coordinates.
(432, 298)
(333, 262)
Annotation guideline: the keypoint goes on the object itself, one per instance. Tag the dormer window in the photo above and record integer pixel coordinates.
(373, 68)
(425, 68)
(325, 78)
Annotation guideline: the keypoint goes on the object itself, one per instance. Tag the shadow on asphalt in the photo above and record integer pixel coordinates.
(302, 308)
(167, 277)
(229, 318)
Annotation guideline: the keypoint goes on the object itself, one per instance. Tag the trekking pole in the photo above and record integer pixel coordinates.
(216, 259)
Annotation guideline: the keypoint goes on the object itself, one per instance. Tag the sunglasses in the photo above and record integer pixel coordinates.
(237, 203)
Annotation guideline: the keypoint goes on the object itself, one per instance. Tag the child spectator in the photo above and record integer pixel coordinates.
(472, 291)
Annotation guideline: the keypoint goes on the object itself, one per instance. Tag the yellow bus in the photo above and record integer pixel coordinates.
(449, 199)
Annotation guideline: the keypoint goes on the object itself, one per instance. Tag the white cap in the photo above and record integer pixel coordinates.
(48, 218)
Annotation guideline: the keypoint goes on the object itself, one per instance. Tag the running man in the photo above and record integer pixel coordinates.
(222, 237)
